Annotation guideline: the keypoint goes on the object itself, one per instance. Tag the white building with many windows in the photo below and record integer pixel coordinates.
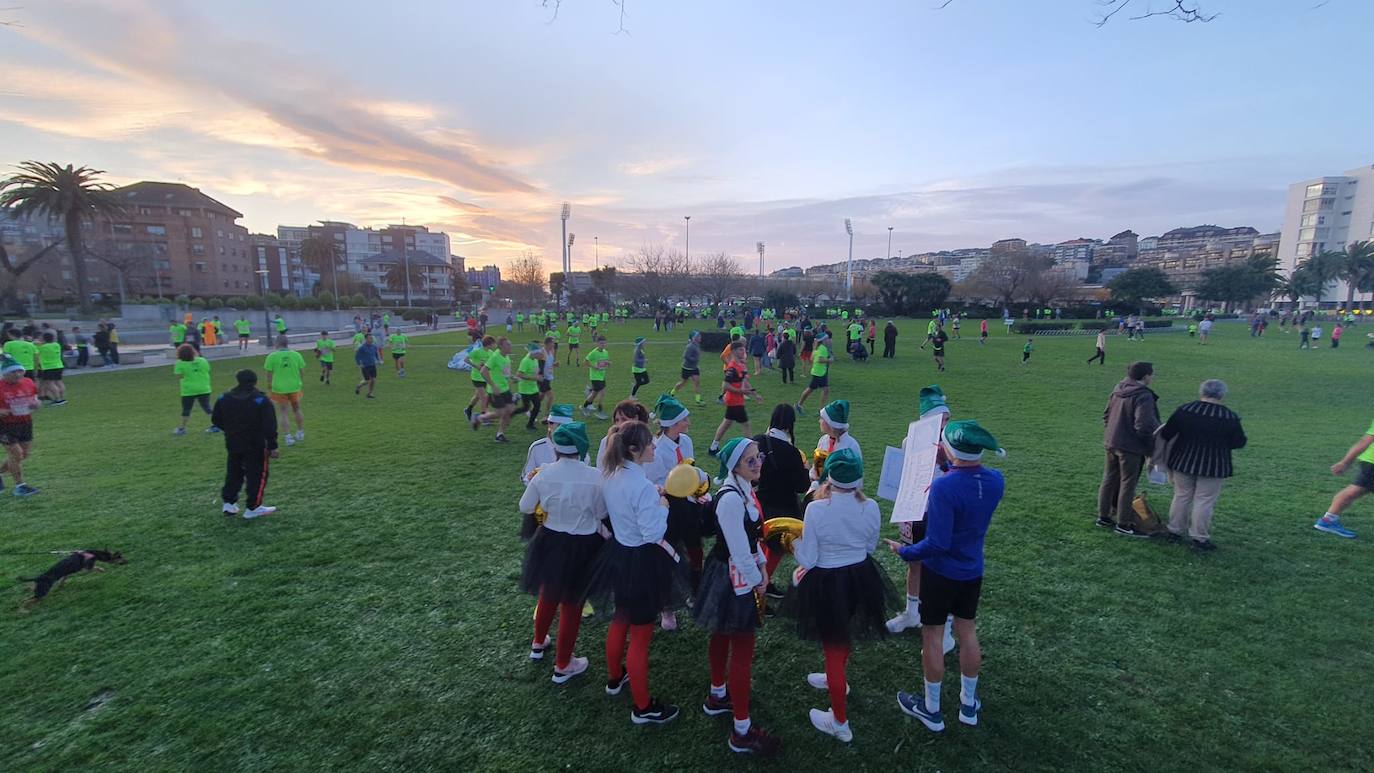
(1327, 213)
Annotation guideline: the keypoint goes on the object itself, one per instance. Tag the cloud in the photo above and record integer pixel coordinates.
(653, 166)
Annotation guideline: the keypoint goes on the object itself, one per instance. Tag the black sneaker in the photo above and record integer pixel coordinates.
(714, 707)
(1105, 523)
(773, 591)
(614, 686)
(357, 390)
(467, 413)
(1202, 546)
(1167, 537)
(1130, 531)
(501, 439)
(755, 742)
(654, 714)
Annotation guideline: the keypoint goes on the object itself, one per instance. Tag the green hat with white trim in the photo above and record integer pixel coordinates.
(571, 439)
(560, 414)
(844, 469)
(967, 440)
(836, 414)
(730, 454)
(669, 411)
(933, 400)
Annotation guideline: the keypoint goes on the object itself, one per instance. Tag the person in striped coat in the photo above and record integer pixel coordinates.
(1202, 434)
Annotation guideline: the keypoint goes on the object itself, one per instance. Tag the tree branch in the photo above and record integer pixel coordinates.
(18, 268)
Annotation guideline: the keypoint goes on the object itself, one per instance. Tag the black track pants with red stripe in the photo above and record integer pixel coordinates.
(246, 467)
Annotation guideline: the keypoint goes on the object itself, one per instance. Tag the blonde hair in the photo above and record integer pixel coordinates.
(826, 489)
(623, 444)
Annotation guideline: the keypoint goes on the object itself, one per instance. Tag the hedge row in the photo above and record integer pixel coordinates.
(1037, 326)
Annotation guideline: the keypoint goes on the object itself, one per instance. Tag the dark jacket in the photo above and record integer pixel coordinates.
(890, 333)
(787, 353)
(1131, 418)
(782, 479)
(247, 419)
(1204, 435)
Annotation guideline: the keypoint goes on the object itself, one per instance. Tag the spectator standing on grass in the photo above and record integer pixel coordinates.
(1204, 329)
(757, 349)
(249, 424)
(284, 383)
(1336, 333)
(1130, 421)
(83, 347)
(889, 340)
(1203, 433)
(1305, 333)
(50, 369)
(193, 371)
(1101, 355)
(787, 359)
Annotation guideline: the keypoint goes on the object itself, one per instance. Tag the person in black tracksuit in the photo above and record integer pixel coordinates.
(249, 423)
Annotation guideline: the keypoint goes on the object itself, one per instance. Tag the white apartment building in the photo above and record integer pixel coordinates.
(369, 251)
(1327, 213)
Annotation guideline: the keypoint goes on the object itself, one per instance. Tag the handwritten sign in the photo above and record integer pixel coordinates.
(919, 452)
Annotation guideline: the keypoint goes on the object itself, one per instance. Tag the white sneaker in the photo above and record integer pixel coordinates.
(949, 636)
(300, 435)
(824, 721)
(259, 511)
(230, 508)
(290, 439)
(668, 621)
(575, 666)
(902, 622)
(820, 682)
(537, 650)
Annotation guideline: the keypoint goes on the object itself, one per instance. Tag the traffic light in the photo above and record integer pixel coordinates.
(491, 288)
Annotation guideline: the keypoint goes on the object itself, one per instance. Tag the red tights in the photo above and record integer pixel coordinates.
(836, 655)
(569, 622)
(772, 559)
(696, 556)
(739, 667)
(637, 662)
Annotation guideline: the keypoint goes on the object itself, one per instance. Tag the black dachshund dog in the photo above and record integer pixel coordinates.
(79, 561)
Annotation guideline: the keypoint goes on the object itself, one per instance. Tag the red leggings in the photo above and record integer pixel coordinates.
(740, 667)
(637, 662)
(569, 621)
(836, 655)
(696, 556)
(772, 558)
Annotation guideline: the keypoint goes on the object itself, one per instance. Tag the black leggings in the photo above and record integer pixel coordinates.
(1100, 356)
(530, 403)
(640, 380)
(187, 402)
(788, 373)
(889, 348)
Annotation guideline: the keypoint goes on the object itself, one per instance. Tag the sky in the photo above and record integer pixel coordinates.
(773, 122)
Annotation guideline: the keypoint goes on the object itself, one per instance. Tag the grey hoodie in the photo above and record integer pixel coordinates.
(1131, 418)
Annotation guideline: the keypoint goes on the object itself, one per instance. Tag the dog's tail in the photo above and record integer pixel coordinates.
(26, 579)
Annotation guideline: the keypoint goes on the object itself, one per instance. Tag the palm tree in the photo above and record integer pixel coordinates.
(395, 278)
(1356, 268)
(1323, 268)
(1301, 283)
(323, 256)
(71, 194)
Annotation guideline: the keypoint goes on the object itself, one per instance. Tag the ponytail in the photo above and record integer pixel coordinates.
(623, 444)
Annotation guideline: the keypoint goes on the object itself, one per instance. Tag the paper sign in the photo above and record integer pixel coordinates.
(890, 479)
(920, 449)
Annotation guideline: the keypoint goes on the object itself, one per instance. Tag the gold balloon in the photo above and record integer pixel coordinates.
(818, 458)
(682, 481)
(782, 532)
(540, 515)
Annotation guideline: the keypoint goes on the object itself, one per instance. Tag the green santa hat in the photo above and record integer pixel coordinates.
(669, 411)
(571, 438)
(730, 454)
(533, 346)
(639, 340)
(560, 414)
(967, 440)
(845, 470)
(836, 414)
(9, 364)
(933, 400)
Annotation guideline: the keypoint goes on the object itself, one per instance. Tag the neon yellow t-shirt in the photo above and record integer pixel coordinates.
(326, 347)
(359, 338)
(285, 365)
(195, 376)
(594, 357)
(499, 366)
(819, 368)
(22, 351)
(529, 375)
(243, 326)
(476, 360)
(50, 356)
(398, 343)
(574, 334)
(1368, 455)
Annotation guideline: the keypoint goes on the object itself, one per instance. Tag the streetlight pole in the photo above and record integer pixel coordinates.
(688, 218)
(849, 270)
(596, 253)
(567, 211)
(889, 242)
(266, 313)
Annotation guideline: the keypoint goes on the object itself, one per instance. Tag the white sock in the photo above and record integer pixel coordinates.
(1330, 516)
(932, 696)
(742, 726)
(968, 688)
(913, 607)
(717, 692)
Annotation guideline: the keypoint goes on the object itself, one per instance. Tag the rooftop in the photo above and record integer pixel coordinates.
(158, 194)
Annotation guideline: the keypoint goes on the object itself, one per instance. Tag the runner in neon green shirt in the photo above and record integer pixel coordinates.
(245, 329)
(358, 338)
(496, 371)
(397, 341)
(598, 362)
(23, 352)
(194, 373)
(324, 350)
(574, 342)
(527, 385)
(284, 384)
(476, 359)
(177, 331)
(820, 372)
(50, 370)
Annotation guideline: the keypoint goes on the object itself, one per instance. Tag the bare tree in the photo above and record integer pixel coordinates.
(718, 276)
(1048, 286)
(16, 270)
(1007, 276)
(128, 259)
(525, 280)
(653, 274)
(1187, 11)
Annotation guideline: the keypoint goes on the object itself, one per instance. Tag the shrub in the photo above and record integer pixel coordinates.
(1097, 324)
(198, 304)
(214, 303)
(1040, 325)
(289, 302)
(253, 302)
(272, 300)
(1149, 323)
(182, 300)
(164, 301)
(310, 302)
(237, 302)
(357, 301)
(325, 299)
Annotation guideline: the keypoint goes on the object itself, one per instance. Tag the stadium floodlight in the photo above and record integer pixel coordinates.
(849, 271)
(567, 212)
(760, 246)
(688, 219)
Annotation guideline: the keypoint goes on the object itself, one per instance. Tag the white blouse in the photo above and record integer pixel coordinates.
(832, 444)
(666, 456)
(570, 492)
(838, 531)
(637, 514)
(541, 453)
(746, 568)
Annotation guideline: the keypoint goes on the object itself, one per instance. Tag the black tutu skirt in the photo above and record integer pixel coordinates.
(637, 584)
(842, 604)
(559, 565)
(528, 526)
(718, 608)
(684, 523)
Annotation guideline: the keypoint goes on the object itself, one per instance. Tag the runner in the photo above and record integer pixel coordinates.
(193, 371)
(284, 384)
(736, 387)
(938, 347)
(527, 382)
(50, 369)
(177, 333)
(18, 401)
(366, 357)
(983, 331)
(1026, 351)
(280, 325)
(245, 330)
(397, 342)
(931, 327)
(496, 371)
(324, 351)
(691, 366)
(476, 359)
(546, 368)
(639, 370)
(955, 323)
(575, 344)
(598, 362)
(1101, 356)
(820, 373)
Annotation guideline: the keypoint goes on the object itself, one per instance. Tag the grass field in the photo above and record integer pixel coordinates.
(373, 622)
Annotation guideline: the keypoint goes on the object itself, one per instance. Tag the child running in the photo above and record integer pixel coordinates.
(1026, 351)
(324, 351)
(397, 341)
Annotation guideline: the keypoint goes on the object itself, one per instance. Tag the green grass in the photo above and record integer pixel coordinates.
(374, 624)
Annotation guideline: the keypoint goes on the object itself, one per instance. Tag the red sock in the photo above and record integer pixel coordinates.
(615, 648)
(719, 650)
(569, 623)
(835, 657)
(697, 556)
(741, 668)
(637, 663)
(543, 618)
(772, 558)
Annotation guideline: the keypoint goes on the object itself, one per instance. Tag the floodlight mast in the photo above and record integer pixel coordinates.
(849, 271)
